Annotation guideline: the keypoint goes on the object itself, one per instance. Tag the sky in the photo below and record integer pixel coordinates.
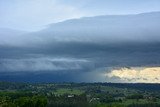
(80, 41)
(34, 15)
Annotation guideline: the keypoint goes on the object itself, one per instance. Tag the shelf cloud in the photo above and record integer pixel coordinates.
(85, 49)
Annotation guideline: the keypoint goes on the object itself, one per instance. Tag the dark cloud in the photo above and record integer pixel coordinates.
(89, 46)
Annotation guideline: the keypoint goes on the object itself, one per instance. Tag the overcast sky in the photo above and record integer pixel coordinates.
(32, 15)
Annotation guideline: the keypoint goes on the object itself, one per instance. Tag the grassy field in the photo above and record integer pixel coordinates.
(63, 91)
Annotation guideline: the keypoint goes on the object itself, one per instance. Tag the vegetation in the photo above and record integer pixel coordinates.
(79, 95)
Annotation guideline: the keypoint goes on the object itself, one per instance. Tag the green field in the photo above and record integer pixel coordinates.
(63, 91)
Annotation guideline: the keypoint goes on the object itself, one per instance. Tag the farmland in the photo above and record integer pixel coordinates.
(79, 95)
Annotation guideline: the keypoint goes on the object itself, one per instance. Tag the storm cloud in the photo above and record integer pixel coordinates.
(89, 46)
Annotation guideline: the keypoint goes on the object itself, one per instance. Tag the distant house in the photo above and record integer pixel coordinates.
(93, 100)
(70, 96)
(150, 98)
